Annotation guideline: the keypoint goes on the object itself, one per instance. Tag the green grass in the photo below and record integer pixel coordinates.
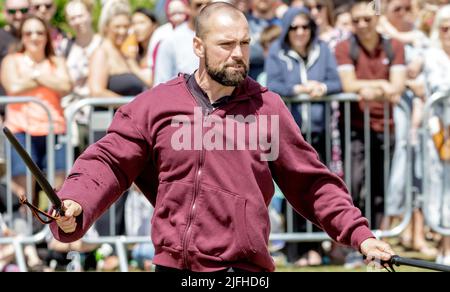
(342, 269)
(339, 268)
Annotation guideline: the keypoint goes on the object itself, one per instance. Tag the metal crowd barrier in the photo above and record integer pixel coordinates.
(20, 241)
(74, 108)
(121, 241)
(118, 241)
(347, 99)
(439, 100)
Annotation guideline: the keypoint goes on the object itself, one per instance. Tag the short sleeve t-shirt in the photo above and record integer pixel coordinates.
(371, 66)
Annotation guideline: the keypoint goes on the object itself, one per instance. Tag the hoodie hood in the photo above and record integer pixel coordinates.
(286, 23)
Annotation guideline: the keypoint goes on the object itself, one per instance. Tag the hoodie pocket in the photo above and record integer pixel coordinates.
(220, 226)
(169, 218)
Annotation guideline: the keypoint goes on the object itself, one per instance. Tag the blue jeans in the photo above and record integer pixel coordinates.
(38, 154)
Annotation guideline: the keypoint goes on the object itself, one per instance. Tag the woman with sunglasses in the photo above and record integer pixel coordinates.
(46, 9)
(35, 71)
(300, 63)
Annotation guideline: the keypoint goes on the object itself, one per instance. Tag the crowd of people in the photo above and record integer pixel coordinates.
(312, 47)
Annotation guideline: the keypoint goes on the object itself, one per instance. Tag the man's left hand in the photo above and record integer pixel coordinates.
(375, 249)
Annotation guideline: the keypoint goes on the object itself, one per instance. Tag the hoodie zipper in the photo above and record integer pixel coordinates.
(191, 216)
(198, 174)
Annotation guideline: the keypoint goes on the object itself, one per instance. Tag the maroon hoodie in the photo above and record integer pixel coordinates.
(210, 205)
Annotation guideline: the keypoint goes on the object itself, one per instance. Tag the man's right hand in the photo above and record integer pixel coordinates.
(68, 223)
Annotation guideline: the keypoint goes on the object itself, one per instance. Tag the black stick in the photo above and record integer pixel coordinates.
(37, 173)
(399, 261)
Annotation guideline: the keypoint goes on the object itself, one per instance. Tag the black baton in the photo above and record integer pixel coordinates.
(399, 261)
(37, 173)
(396, 260)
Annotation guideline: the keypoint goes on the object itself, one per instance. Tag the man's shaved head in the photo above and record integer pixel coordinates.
(203, 21)
(222, 43)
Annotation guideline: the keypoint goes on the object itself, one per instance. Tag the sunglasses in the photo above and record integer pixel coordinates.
(444, 29)
(296, 27)
(404, 8)
(39, 33)
(318, 7)
(14, 11)
(357, 20)
(39, 6)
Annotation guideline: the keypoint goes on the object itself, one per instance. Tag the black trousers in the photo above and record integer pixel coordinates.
(359, 190)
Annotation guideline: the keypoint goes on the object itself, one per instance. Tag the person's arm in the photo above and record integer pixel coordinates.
(386, 28)
(317, 194)
(397, 75)
(415, 67)
(397, 85)
(352, 84)
(104, 171)
(391, 89)
(12, 81)
(144, 75)
(332, 80)
(98, 75)
(312, 189)
(275, 78)
(346, 69)
(436, 71)
(59, 80)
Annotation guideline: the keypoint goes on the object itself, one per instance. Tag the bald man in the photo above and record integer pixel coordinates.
(203, 148)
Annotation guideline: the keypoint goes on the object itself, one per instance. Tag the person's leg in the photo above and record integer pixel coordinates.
(7, 255)
(443, 256)
(395, 196)
(446, 246)
(357, 169)
(377, 176)
(419, 242)
(311, 253)
(34, 262)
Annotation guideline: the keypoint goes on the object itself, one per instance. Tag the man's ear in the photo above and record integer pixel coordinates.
(199, 48)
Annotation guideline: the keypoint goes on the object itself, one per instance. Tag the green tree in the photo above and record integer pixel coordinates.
(2, 18)
(60, 21)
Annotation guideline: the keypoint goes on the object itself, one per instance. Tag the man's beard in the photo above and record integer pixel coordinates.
(224, 77)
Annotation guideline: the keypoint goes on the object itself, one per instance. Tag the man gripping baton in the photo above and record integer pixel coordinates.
(40, 178)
